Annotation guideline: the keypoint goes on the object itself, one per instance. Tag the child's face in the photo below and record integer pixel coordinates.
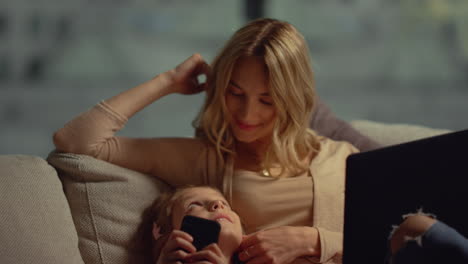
(209, 204)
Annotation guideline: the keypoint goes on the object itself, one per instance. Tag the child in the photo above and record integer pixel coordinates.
(171, 245)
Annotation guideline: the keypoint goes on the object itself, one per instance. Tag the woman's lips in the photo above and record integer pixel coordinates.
(245, 126)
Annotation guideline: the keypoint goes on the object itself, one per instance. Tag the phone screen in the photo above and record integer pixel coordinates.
(203, 231)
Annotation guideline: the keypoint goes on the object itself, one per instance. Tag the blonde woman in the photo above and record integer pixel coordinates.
(252, 142)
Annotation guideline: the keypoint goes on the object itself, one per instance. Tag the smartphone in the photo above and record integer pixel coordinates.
(203, 231)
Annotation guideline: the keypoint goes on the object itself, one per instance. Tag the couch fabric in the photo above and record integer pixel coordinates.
(391, 134)
(35, 221)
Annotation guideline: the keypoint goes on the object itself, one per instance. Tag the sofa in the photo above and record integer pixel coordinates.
(72, 208)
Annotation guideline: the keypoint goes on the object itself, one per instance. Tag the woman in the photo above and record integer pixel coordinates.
(252, 142)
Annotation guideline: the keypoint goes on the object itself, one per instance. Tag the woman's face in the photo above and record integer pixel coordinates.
(209, 204)
(249, 102)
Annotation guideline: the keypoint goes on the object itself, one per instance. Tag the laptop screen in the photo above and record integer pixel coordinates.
(382, 185)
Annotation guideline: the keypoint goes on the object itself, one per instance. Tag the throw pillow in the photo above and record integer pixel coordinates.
(107, 204)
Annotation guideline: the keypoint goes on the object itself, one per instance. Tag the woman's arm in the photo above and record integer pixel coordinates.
(92, 132)
(182, 79)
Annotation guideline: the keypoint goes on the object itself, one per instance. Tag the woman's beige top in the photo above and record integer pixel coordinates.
(315, 198)
(269, 200)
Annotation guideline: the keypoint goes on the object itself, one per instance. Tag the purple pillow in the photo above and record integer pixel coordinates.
(325, 123)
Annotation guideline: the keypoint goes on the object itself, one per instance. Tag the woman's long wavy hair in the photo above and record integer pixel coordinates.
(285, 54)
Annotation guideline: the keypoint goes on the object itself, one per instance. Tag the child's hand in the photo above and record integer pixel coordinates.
(211, 254)
(177, 248)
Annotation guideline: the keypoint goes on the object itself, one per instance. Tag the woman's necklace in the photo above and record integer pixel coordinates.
(251, 159)
(265, 173)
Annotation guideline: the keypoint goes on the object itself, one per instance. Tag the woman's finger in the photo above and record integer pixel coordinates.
(249, 241)
(200, 77)
(204, 68)
(250, 253)
(192, 65)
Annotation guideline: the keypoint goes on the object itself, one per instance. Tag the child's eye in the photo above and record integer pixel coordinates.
(226, 204)
(193, 205)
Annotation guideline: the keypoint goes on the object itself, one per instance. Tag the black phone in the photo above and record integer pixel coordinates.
(203, 231)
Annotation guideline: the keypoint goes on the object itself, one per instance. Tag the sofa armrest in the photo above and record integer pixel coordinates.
(35, 221)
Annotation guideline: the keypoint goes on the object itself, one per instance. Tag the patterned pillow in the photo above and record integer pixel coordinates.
(107, 203)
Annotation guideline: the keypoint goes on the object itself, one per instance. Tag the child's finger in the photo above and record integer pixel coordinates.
(180, 243)
(179, 240)
(177, 255)
(180, 233)
(205, 255)
(214, 247)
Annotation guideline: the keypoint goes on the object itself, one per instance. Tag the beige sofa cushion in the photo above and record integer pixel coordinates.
(391, 134)
(35, 222)
(107, 203)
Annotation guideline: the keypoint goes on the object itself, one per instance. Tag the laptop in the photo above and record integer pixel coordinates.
(384, 184)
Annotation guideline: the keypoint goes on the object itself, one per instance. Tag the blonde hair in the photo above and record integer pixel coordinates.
(284, 52)
(161, 212)
(162, 208)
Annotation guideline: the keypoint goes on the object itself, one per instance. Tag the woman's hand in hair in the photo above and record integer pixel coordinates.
(210, 254)
(279, 245)
(177, 248)
(184, 78)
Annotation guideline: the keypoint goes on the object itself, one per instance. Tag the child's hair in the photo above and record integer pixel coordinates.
(160, 213)
(161, 209)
